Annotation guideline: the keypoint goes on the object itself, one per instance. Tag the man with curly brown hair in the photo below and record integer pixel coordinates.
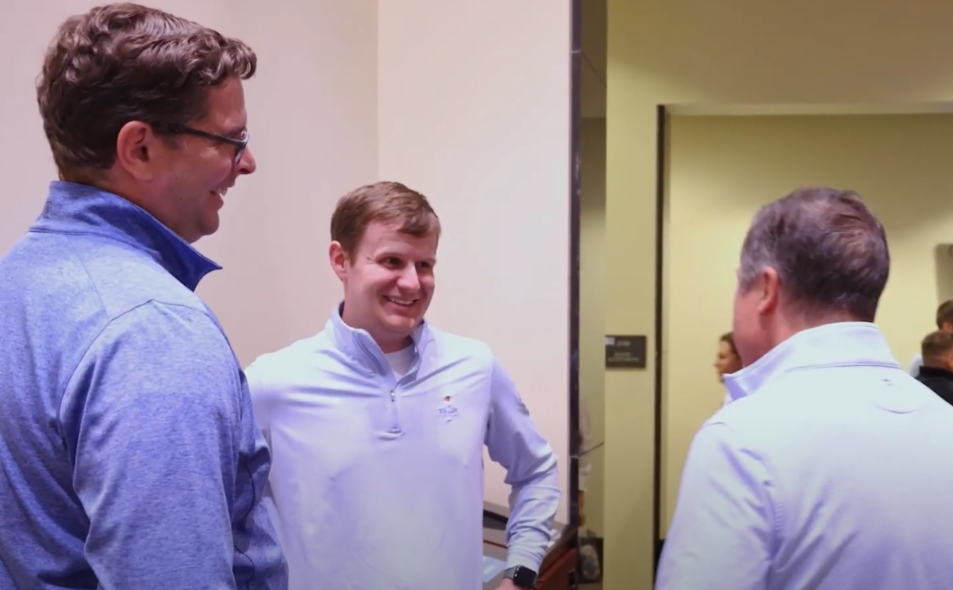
(129, 455)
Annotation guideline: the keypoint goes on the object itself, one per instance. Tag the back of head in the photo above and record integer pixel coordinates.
(944, 316)
(937, 349)
(382, 202)
(125, 62)
(828, 249)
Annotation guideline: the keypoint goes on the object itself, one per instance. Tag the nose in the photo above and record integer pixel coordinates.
(409, 280)
(247, 165)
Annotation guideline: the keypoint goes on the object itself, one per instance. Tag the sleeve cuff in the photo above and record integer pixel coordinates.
(516, 557)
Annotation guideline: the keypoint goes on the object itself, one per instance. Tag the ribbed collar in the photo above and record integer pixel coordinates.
(81, 209)
(359, 344)
(840, 343)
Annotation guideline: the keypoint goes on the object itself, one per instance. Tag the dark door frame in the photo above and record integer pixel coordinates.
(661, 179)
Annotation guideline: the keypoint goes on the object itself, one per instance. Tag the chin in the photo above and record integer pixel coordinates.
(209, 225)
(402, 324)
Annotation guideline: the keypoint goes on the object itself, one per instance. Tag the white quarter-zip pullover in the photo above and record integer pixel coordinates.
(377, 476)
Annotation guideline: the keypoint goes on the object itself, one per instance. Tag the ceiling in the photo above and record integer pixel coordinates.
(594, 27)
(594, 58)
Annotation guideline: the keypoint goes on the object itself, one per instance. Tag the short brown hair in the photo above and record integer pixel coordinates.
(384, 202)
(729, 339)
(944, 314)
(828, 248)
(936, 346)
(125, 62)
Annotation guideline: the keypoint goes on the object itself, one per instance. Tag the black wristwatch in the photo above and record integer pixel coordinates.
(522, 577)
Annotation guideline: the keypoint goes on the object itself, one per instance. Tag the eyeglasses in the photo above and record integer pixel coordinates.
(240, 144)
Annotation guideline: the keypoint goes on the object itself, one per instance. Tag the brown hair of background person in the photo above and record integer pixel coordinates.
(727, 360)
(944, 321)
(944, 316)
(937, 369)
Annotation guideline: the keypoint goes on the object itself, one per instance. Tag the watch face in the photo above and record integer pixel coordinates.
(524, 577)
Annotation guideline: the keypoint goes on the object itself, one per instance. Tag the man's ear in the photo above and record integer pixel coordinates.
(338, 259)
(135, 149)
(770, 285)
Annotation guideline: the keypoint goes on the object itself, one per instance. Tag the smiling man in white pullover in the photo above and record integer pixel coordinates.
(377, 424)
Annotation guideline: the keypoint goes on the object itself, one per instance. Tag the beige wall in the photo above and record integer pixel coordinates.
(715, 54)
(474, 111)
(724, 168)
(469, 102)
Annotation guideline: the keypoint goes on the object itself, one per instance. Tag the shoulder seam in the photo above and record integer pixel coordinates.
(72, 372)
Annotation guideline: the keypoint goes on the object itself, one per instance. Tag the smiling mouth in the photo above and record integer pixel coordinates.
(220, 192)
(401, 302)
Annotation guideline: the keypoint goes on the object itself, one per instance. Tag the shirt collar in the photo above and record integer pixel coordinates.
(81, 209)
(359, 344)
(840, 343)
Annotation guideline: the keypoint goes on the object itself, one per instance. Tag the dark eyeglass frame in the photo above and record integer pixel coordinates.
(240, 144)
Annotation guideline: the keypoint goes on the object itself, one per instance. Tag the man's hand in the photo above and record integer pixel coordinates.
(507, 584)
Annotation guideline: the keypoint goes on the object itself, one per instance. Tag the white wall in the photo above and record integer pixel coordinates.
(474, 111)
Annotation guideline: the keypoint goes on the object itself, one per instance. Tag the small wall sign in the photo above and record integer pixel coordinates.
(626, 352)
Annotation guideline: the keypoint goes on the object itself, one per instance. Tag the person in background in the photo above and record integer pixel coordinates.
(129, 457)
(727, 361)
(834, 474)
(936, 371)
(378, 424)
(944, 321)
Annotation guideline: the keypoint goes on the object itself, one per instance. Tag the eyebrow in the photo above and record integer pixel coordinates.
(235, 130)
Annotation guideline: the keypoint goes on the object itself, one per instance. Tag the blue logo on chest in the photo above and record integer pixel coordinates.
(447, 410)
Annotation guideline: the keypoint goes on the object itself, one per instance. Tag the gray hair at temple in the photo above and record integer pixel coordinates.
(828, 249)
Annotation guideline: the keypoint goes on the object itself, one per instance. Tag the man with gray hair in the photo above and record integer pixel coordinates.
(821, 474)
